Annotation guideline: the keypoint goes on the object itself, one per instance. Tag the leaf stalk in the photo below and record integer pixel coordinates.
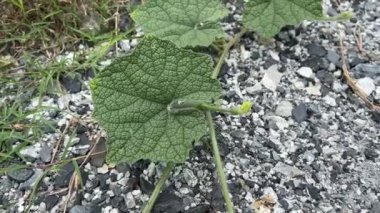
(157, 189)
(226, 49)
(178, 107)
(219, 164)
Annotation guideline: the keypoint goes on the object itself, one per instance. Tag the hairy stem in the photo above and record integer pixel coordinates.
(226, 49)
(219, 164)
(157, 188)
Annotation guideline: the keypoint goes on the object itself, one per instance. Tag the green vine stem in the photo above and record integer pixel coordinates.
(157, 188)
(179, 106)
(219, 164)
(226, 49)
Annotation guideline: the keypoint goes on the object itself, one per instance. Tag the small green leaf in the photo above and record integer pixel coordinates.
(132, 95)
(184, 22)
(267, 17)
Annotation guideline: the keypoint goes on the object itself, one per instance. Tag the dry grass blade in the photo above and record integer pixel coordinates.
(75, 179)
(352, 82)
(359, 45)
(58, 143)
(44, 166)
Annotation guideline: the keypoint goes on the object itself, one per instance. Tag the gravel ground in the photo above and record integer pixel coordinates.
(310, 144)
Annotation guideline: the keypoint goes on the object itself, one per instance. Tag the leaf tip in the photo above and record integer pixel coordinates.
(246, 107)
(346, 15)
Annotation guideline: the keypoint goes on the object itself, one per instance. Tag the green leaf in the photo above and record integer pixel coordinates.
(184, 22)
(131, 97)
(267, 17)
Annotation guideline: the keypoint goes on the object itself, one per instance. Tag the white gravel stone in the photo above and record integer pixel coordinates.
(289, 171)
(299, 85)
(125, 45)
(377, 96)
(271, 78)
(151, 169)
(254, 89)
(190, 178)
(314, 90)
(274, 55)
(366, 84)
(249, 197)
(114, 210)
(130, 200)
(281, 123)
(103, 169)
(229, 166)
(31, 151)
(184, 191)
(284, 109)
(105, 63)
(134, 42)
(245, 54)
(330, 101)
(305, 72)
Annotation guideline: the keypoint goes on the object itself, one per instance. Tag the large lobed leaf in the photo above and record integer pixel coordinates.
(131, 97)
(184, 22)
(267, 17)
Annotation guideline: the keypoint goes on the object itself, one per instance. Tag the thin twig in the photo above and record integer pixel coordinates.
(91, 151)
(58, 143)
(71, 185)
(359, 45)
(117, 18)
(74, 179)
(352, 82)
(44, 166)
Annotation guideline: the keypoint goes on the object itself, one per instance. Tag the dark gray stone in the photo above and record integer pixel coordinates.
(356, 61)
(99, 159)
(81, 129)
(83, 109)
(350, 152)
(64, 175)
(217, 200)
(83, 139)
(255, 55)
(316, 63)
(45, 154)
(316, 50)
(325, 77)
(333, 57)
(299, 113)
(199, 209)
(20, 175)
(117, 201)
(51, 128)
(146, 186)
(50, 201)
(369, 70)
(376, 116)
(376, 207)
(31, 182)
(371, 154)
(88, 74)
(284, 204)
(71, 84)
(85, 209)
(123, 167)
(168, 202)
